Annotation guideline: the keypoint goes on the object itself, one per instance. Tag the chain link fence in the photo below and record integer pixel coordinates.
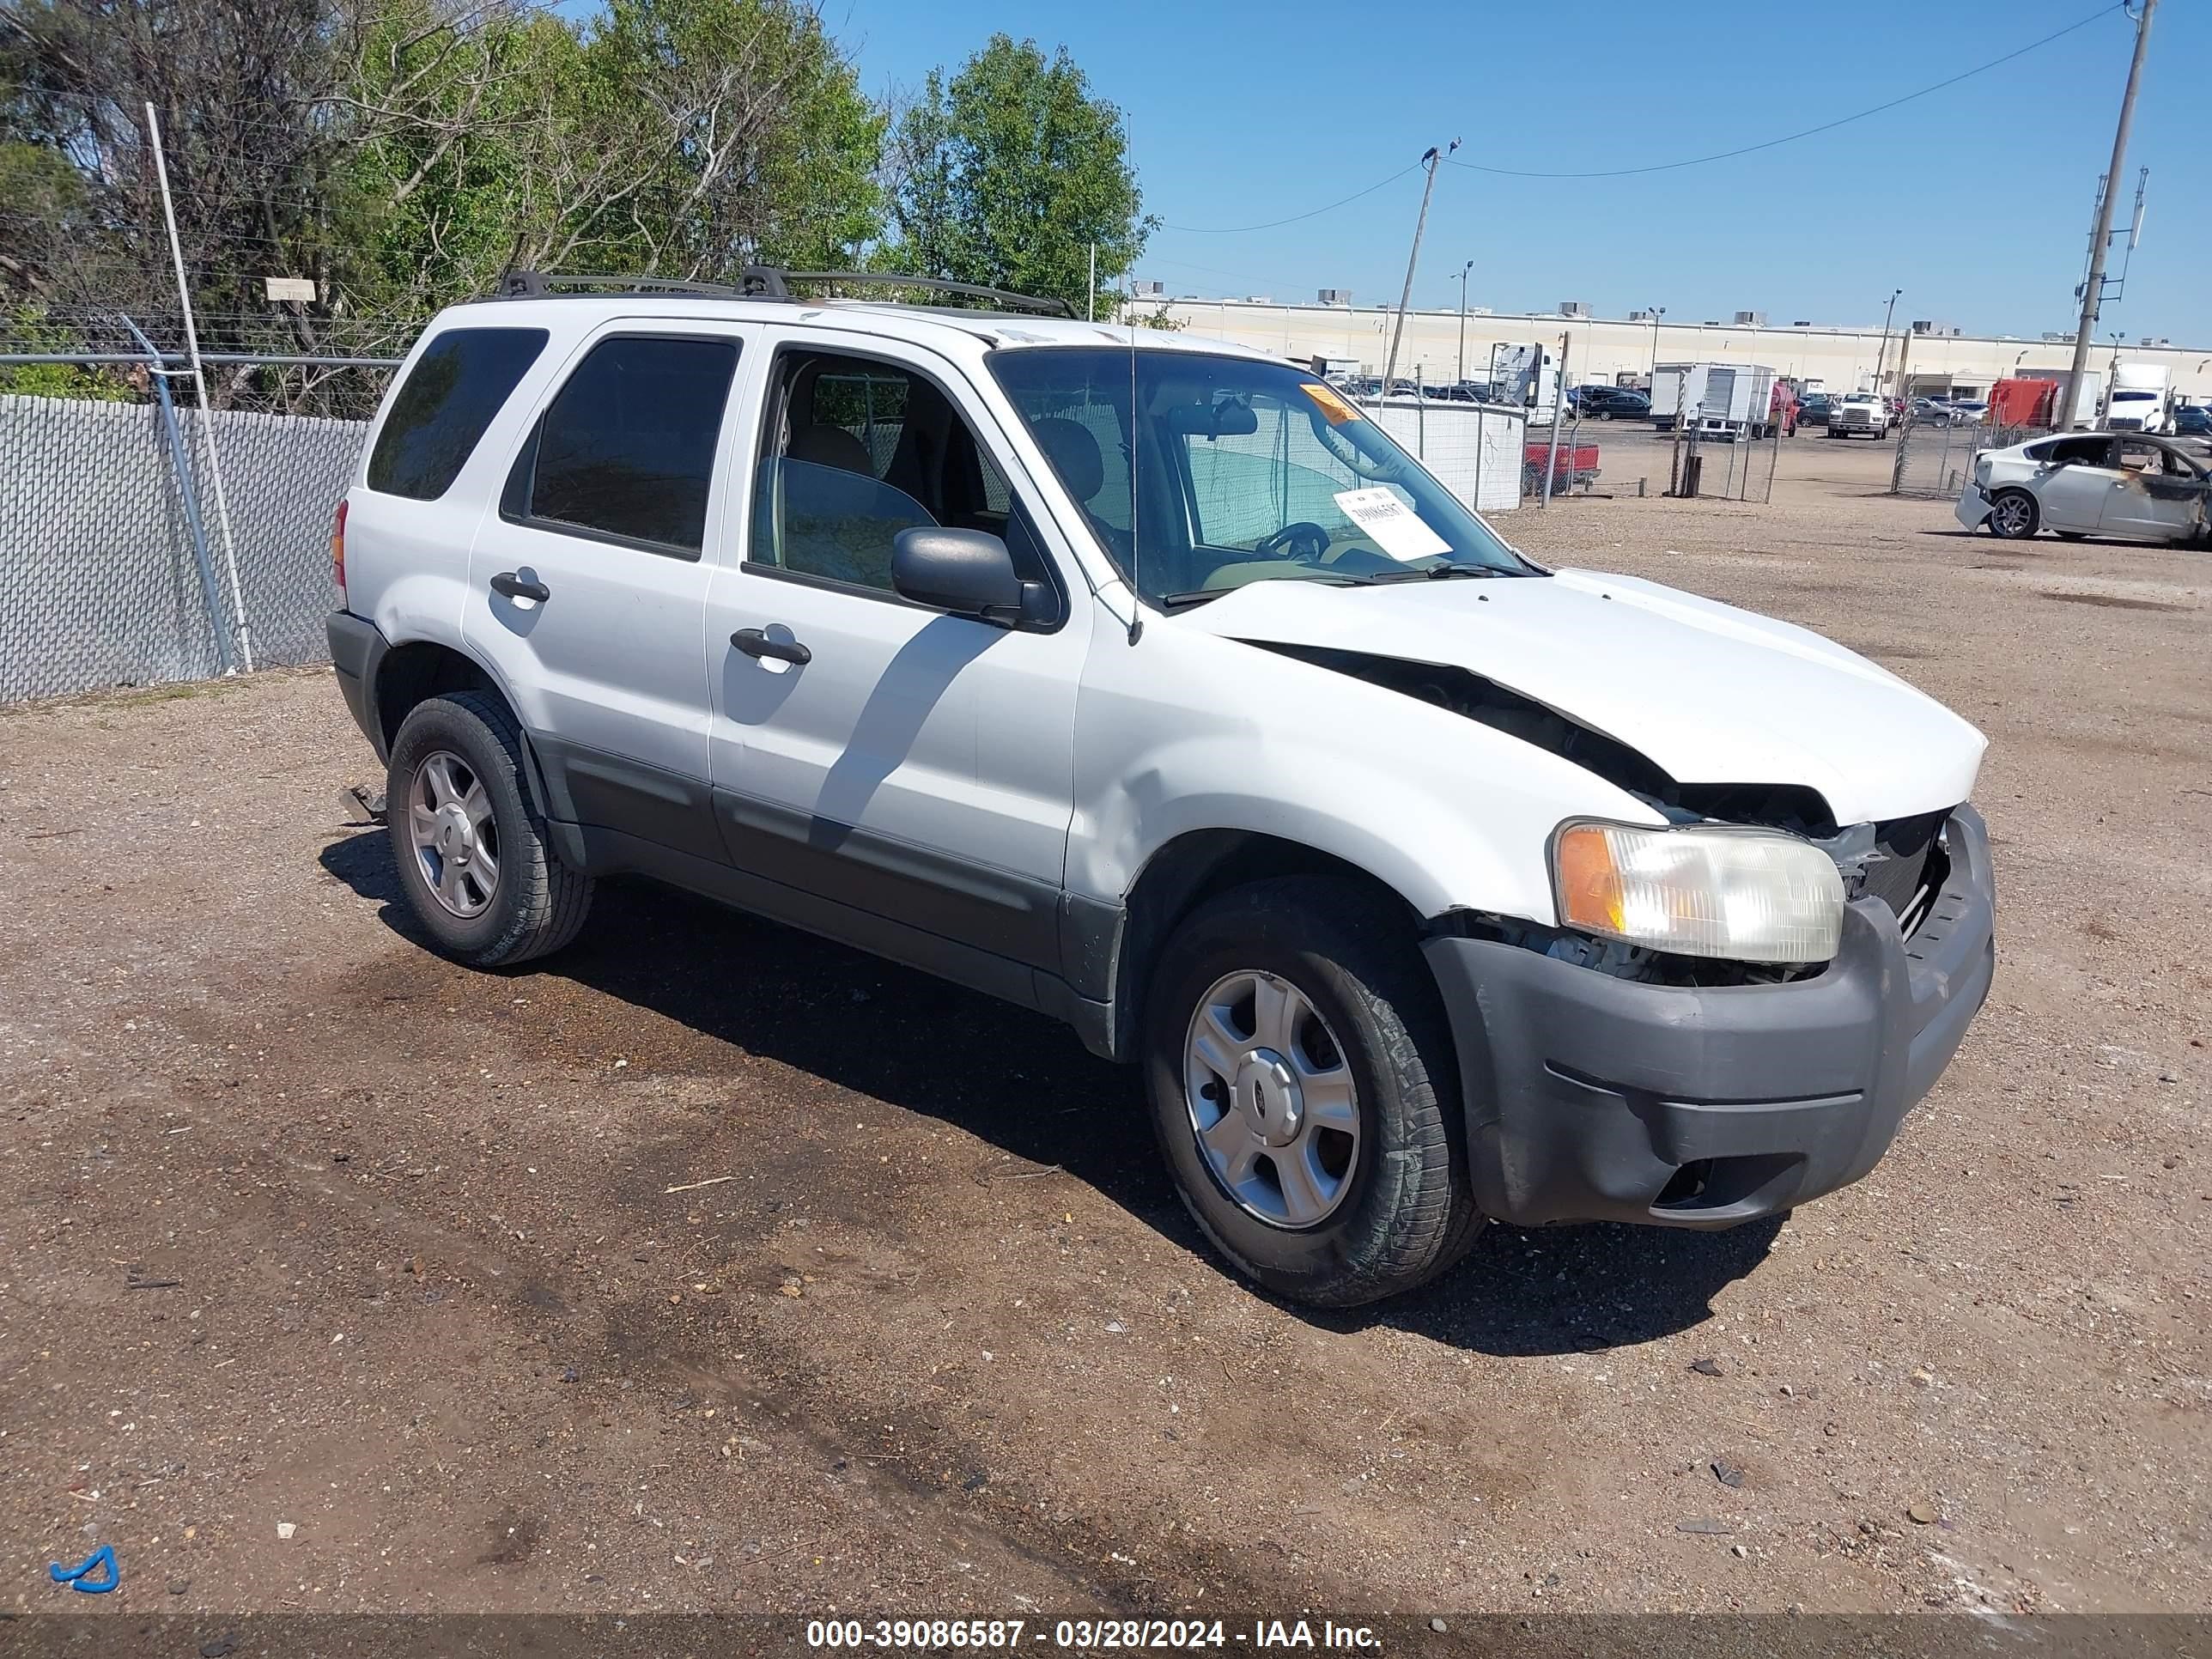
(1933, 458)
(1740, 469)
(122, 564)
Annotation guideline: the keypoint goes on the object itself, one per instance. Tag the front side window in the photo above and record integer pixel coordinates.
(626, 449)
(857, 449)
(441, 410)
(1202, 473)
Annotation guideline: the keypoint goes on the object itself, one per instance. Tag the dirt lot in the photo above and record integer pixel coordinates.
(301, 1228)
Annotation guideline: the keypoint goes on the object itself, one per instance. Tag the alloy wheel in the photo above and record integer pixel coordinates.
(455, 834)
(1271, 1100)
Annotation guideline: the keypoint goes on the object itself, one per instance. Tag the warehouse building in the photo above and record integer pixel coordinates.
(1939, 359)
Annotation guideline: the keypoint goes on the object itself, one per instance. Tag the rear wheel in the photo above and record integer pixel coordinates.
(1302, 1087)
(2013, 515)
(474, 859)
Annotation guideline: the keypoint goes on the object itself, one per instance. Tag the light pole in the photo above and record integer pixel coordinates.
(1463, 269)
(1657, 311)
(1881, 352)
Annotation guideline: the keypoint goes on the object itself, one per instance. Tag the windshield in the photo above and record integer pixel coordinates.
(1245, 470)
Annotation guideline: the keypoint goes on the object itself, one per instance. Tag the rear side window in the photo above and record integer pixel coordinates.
(626, 448)
(449, 397)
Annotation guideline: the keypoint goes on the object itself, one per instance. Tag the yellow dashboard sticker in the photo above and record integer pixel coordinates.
(1333, 406)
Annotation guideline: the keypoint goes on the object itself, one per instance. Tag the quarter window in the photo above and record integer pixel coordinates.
(626, 449)
(448, 398)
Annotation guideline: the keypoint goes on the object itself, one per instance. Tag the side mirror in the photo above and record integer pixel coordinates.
(967, 572)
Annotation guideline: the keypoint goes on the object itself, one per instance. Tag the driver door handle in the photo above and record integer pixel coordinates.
(514, 587)
(754, 643)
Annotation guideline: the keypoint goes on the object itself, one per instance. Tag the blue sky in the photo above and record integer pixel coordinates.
(1975, 200)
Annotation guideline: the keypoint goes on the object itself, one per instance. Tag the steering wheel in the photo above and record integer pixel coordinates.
(1304, 540)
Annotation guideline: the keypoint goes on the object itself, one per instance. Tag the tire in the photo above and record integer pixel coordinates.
(1402, 1210)
(451, 747)
(2014, 516)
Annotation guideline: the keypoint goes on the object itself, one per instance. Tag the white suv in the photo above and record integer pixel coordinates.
(1144, 681)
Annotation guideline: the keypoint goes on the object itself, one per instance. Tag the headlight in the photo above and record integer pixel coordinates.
(1701, 890)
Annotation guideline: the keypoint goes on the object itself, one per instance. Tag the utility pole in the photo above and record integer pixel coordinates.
(1463, 269)
(1881, 352)
(1558, 414)
(1405, 299)
(2093, 288)
(1657, 311)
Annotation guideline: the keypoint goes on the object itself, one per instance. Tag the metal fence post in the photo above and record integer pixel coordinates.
(209, 591)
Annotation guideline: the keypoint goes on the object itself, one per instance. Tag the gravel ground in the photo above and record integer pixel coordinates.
(713, 1267)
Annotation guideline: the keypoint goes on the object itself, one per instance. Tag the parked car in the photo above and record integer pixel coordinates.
(1610, 402)
(1425, 883)
(1968, 411)
(2132, 486)
(1857, 413)
(2192, 421)
(1815, 408)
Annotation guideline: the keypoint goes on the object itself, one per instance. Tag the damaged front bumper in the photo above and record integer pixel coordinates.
(1973, 506)
(1594, 1098)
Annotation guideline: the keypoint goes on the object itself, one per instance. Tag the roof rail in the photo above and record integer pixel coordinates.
(542, 284)
(773, 282)
(767, 282)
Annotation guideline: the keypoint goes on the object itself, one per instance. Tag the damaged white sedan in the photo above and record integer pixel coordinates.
(1147, 683)
(2124, 485)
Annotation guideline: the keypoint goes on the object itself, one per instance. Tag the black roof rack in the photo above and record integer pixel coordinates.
(771, 282)
(542, 284)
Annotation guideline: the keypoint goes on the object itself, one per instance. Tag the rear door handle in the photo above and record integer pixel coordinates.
(754, 643)
(514, 587)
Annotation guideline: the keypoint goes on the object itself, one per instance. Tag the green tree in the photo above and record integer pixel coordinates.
(1009, 173)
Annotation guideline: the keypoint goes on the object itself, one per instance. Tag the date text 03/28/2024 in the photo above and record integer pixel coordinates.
(1085, 1635)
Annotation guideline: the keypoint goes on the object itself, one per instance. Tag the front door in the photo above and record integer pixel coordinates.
(2160, 497)
(587, 585)
(892, 761)
(2072, 496)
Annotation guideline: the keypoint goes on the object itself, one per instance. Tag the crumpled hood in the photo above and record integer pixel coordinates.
(1710, 693)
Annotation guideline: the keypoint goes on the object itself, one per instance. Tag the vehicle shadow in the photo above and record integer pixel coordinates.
(1024, 1084)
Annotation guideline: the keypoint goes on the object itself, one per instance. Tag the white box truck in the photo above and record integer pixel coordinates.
(1714, 400)
(2142, 398)
(2089, 398)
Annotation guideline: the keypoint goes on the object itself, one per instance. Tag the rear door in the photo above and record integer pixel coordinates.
(587, 584)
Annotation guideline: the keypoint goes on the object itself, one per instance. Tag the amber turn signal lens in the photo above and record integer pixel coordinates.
(1590, 884)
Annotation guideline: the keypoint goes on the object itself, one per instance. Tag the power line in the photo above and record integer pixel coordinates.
(1238, 230)
(1792, 137)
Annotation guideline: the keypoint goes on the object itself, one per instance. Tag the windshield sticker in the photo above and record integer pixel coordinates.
(1334, 409)
(1390, 524)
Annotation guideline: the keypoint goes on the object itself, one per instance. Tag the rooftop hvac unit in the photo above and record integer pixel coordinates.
(1334, 296)
(1643, 317)
(1751, 319)
(1573, 308)
(1803, 322)
(1149, 290)
(1258, 299)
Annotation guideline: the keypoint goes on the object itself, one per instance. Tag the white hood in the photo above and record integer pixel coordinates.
(1710, 693)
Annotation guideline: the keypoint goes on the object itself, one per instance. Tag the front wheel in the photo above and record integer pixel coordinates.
(1303, 1086)
(2013, 515)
